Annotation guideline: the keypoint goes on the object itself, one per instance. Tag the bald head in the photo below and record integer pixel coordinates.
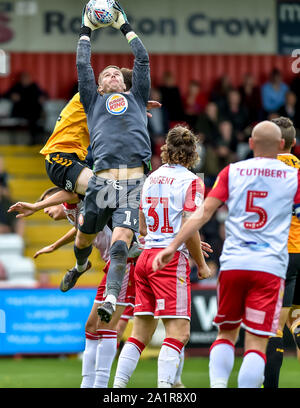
(266, 139)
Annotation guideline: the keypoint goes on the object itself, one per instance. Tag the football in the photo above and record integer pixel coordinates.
(101, 13)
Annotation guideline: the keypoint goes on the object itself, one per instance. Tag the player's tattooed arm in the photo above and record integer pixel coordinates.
(66, 239)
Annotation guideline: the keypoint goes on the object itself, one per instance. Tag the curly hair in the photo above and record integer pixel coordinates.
(288, 130)
(180, 147)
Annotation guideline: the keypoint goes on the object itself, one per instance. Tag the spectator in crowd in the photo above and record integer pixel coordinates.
(288, 110)
(207, 124)
(234, 111)
(28, 99)
(220, 90)
(214, 159)
(3, 177)
(251, 97)
(158, 125)
(194, 102)
(9, 224)
(295, 87)
(171, 99)
(273, 93)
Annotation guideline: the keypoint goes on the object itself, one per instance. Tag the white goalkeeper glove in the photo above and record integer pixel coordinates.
(121, 17)
(86, 22)
(120, 20)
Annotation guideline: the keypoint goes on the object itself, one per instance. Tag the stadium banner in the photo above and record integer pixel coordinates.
(288, 33)
(38, 321)
(204, 309)
(169, 26)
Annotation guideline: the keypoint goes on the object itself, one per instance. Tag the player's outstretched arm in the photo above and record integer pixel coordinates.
(86, 80)
(66, 239)
(26, 209)
(141, 82)
(191, 226)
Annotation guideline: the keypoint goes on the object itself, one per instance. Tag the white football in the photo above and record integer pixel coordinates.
(101, 13)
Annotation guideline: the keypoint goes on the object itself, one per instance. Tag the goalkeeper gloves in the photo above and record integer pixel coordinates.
(297, 210)
(86, 26)
(121, 22)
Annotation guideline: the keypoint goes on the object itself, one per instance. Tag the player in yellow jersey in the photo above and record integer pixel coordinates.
(291, 298)
(66, 149)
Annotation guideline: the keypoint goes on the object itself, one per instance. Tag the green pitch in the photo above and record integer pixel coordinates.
(66, 373)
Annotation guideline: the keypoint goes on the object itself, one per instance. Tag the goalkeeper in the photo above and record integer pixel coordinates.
(117, 122)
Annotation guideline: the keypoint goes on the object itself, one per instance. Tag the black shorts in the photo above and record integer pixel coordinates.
(63, 169)
(296, 299)
(107, 200)
(290, 281)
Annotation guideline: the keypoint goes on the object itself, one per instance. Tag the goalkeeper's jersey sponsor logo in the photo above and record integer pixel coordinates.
(117, 104)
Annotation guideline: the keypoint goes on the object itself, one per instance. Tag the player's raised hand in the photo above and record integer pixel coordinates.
(121, 17)
(120, 20)
(85, 20)
(24, 209)
(46, 250)
(203, 271)
(162, 258)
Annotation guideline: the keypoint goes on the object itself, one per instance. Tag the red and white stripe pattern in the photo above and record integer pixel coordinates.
(174, 344)
(221, 341)
(262, 355)
(182, 287)
(278, 307)
(92, 336)
(107, 334)
(138, 344)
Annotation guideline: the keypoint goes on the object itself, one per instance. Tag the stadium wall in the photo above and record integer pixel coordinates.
(56, 72)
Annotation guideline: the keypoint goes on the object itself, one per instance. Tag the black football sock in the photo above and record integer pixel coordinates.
(274, 356)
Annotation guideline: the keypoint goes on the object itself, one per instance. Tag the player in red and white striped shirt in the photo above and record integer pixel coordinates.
(260, 194)
(169, 195)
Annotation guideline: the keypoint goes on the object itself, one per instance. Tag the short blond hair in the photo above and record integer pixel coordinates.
(106, 68)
